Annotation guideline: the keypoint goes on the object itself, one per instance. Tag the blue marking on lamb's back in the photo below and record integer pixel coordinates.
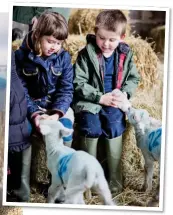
(62, 164)
(154, 139)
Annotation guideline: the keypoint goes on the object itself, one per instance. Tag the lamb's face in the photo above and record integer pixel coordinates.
(139, 118)
(54, 128)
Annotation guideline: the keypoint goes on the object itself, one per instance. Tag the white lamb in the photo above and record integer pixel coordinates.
(73, 172)
(148, 136)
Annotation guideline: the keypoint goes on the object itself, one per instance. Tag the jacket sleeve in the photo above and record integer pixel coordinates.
(32, 107)
(133, 78)
(64, 88)
(83, 90)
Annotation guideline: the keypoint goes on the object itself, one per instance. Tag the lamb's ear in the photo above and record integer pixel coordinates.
(65, 132)
(45, 129)
(155, 122)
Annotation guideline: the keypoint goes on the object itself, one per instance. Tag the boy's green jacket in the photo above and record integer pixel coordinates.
(88, 83)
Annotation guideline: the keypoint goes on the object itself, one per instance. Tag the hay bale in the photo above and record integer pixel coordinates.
(74, 44)
(158, 35)
(82, 21)
(146, 61)
(39, 170)
(11, 210)
(16, 44)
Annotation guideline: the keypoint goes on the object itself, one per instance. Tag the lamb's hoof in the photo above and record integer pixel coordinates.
(59, 201)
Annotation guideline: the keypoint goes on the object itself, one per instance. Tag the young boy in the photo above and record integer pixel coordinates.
(104, 64)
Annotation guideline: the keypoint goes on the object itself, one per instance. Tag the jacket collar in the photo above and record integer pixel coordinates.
(91, 39)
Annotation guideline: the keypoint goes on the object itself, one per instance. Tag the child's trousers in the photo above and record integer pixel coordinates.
(109, 122)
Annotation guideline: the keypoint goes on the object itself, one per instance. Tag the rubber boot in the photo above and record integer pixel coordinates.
(89, 145)
(24, 191)
(114, 151)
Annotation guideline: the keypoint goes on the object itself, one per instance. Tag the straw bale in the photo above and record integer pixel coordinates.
(146, 61)
(16, 44)
(158, 35)
(11, 210)
(74, 44)
(40, 173)
(82, 21)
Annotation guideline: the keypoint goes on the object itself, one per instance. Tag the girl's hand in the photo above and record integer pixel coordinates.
(107, 99)
(38, 118)
(53, 117)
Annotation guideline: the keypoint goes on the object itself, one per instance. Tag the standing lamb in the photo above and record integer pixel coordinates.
(73, 172)
(148, 136)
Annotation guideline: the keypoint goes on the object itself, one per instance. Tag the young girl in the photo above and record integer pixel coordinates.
(46, 71)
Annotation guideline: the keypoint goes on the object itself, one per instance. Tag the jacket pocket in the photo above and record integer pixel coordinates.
(30, 71)
(57, 71)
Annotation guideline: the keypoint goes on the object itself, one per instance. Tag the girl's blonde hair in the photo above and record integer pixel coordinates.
(49, 24)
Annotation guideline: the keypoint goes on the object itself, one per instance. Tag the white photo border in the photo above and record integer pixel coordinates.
(164, 107)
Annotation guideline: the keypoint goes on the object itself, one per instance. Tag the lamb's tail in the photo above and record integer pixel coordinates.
(89, 178)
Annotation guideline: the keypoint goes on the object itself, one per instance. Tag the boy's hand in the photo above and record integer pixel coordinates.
(120, 100)
(107, 99)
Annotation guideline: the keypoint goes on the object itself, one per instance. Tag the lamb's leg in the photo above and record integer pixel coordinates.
(102, 188)
(76, 198)
(74, 194)
(60, 195)
(74, 190)
(81, 199)
(51, 193)
(56, 186)
(149, 167)
(158, 188)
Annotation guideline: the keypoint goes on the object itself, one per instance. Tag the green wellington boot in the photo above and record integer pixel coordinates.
(114, 151)
(24, 191)
(89, 145)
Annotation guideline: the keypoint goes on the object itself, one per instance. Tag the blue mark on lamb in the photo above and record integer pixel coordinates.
(62, 164)
(154, 139)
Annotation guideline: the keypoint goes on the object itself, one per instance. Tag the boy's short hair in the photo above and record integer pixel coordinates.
(111, 20)
(50, 24)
